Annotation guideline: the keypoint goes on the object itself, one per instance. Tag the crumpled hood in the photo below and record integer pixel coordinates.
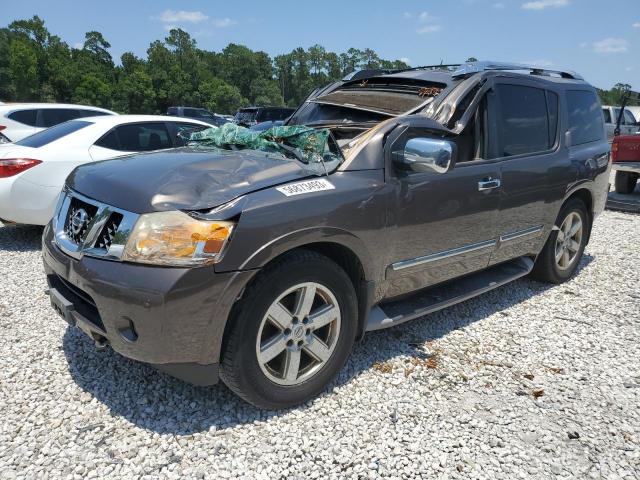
(185, 178)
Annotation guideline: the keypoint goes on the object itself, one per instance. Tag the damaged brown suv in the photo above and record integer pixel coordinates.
(262, 266)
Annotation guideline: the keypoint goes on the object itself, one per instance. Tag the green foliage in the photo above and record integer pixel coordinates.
(38, 66)
(615, 95)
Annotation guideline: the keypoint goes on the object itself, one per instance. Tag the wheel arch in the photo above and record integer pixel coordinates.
(343, 248)
(585, 195)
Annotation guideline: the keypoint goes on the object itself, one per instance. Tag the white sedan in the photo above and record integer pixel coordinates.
(33, 170)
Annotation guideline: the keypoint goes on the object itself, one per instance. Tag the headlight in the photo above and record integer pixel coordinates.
(174, 238)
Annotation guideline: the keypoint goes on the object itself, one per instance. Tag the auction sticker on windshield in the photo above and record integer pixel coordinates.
(306, 187)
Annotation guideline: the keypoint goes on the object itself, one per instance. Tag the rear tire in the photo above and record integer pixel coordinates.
(291, 332)
(625, 182)
(562, 252)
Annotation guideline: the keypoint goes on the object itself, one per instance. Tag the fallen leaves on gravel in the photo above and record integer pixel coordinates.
(537, 393)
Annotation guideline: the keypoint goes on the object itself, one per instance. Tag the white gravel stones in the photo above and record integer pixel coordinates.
(450, 396)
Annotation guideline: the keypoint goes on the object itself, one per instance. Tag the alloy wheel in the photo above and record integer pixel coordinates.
(298, 334)
(568, 241)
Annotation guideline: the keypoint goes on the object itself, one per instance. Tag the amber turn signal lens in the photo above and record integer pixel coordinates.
(175, 238)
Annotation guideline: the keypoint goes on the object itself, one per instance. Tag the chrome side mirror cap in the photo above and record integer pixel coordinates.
(426, 155)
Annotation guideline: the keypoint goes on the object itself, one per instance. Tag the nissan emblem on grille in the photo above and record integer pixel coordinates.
(77, 224)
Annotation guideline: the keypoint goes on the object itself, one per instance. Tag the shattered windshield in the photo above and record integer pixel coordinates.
(367, 101)
(308, 145)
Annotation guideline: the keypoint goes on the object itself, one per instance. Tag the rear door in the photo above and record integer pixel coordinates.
(535, 171)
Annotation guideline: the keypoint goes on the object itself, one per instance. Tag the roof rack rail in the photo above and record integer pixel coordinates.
(372, 72)
(366, 73)
(476, 67)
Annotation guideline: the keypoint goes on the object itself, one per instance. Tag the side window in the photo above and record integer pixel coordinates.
(522, 120)
(607, 115)
(53, 116)
(110, 141)
(472, 142)
(142, 137)
(616, 113)
(184, 129)
(26, 117)
(585, 117)
(90, 113)
(629, 119)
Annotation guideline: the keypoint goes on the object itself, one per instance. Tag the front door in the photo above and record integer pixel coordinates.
(446, 223)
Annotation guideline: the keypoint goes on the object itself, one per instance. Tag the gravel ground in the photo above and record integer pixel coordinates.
(528, 381)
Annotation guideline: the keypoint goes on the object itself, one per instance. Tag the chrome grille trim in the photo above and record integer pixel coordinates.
(88, 246)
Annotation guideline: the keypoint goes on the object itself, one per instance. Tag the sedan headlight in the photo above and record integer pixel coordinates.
(175, 238)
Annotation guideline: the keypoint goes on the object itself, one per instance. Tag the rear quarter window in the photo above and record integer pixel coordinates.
(26, 117)
(585, 117)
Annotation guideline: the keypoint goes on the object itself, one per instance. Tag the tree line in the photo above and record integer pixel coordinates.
(36, 65)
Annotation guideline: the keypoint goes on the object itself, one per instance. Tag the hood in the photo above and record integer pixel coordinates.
(182, 179)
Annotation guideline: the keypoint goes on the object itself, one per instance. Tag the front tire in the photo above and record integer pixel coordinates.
(291, 333)
(625, 182)
(562, 252)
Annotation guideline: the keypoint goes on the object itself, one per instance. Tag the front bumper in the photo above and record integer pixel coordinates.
(172, 318)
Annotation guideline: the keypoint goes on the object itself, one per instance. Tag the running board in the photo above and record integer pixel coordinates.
(442, 296)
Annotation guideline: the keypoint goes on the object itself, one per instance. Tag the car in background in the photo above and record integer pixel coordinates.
(201, 114)
(625, 158)
(635, 110)
(19, 120)
(33, 170)
(249, 116)
(628, 123)
(261, 127)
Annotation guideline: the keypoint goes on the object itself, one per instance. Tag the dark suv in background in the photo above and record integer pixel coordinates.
(435, 185)
(250, 116)
(201, 114)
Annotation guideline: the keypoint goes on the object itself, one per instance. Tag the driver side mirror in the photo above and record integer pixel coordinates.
(426, 155)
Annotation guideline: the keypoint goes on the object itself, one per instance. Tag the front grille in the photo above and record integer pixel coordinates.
(105, 238)
(84, 226)
(79, 217)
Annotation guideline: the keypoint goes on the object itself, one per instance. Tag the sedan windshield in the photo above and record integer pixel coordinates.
(52, 134)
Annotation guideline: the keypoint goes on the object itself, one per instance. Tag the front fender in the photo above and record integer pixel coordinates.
(307, 236)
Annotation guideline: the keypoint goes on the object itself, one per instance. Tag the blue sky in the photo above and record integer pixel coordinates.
(598, 38)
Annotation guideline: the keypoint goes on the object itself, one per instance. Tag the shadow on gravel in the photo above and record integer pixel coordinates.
(20, 238)
(155, 401)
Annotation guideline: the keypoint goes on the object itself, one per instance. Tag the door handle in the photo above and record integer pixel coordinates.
(489, 184)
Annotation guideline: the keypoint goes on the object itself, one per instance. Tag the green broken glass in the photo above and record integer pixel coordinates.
(309, 145)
